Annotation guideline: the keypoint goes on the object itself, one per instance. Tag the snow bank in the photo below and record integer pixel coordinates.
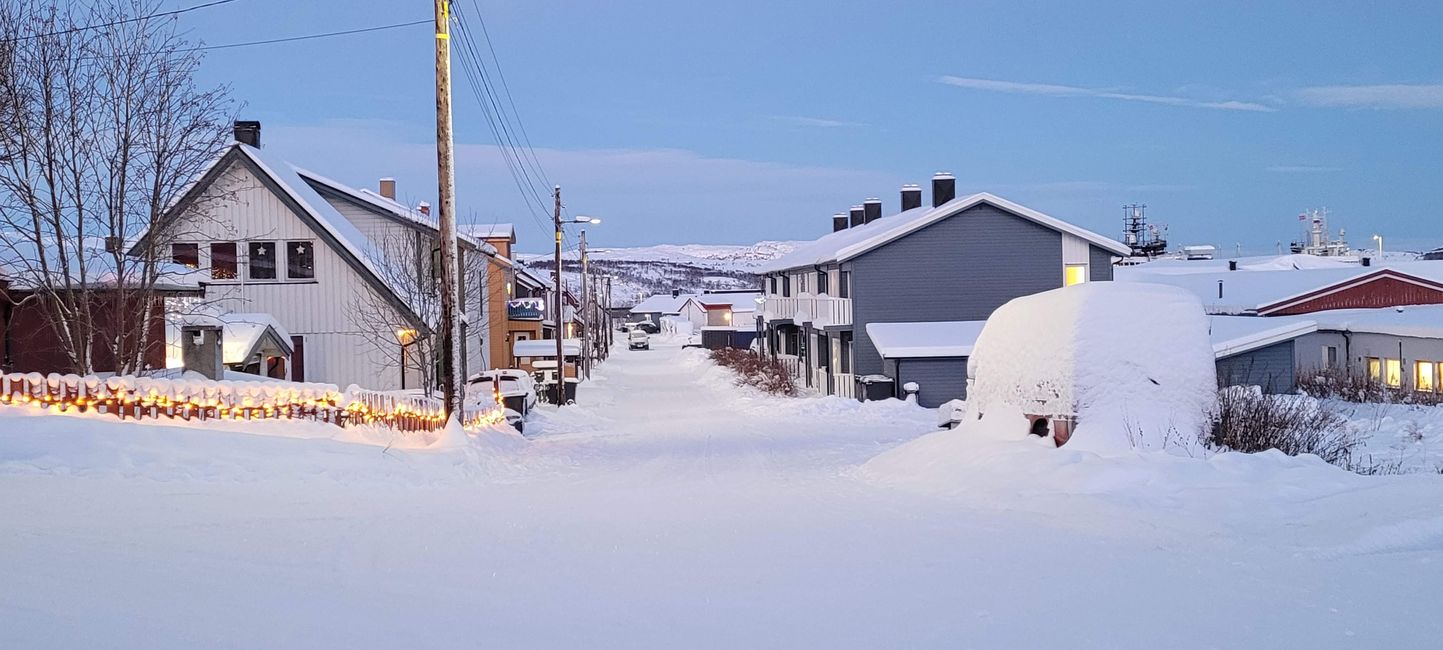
(1132, 362)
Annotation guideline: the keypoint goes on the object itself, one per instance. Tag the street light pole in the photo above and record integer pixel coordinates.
(452, 386)
(585, 312)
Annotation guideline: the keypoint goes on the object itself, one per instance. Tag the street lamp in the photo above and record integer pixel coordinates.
(1379, 239)
(560, 313)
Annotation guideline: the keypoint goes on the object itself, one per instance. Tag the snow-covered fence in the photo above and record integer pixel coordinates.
(204, 400)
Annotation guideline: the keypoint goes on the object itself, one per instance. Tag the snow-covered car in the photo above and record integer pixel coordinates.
(518, 389)
(637, 339)
(645, 326)
(516, 421)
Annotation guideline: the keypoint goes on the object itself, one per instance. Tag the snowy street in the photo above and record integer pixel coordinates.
(673, 509)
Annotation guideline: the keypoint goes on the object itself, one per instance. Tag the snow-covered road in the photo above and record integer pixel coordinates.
(671, 509)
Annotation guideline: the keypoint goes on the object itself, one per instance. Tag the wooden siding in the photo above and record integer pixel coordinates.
(1274, 368)
(959, 268)
(337, 350)
(1380, 292)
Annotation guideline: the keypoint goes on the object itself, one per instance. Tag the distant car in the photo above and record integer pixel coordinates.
(692, 341)
(645, 326)
(637, 339)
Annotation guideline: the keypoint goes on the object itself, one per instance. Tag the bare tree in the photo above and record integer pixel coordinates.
(103, 127)
(403, 260)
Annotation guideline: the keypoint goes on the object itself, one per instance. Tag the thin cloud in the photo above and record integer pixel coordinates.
(1054, 90)
(1376, 96)
(1303, 169)
(820, 122)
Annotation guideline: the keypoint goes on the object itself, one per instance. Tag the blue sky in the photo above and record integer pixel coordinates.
(741, 121)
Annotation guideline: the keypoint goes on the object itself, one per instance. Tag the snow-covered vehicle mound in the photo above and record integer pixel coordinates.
(1105, 366)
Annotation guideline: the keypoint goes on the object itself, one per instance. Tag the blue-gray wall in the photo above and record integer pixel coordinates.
(941, 379)
(1274, 368)
(960, 268)
(1099, 264)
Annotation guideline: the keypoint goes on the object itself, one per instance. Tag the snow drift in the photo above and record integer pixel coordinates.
(1131, 362)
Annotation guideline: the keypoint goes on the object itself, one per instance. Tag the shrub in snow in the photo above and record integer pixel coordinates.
(1338, 383)
(1130, 362)
(756, 370)
(1247, 420)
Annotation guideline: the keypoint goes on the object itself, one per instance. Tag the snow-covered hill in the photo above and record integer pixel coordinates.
(646, 270)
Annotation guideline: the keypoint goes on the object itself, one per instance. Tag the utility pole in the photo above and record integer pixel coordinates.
(586, 312)
(450, 325)
(559, 390)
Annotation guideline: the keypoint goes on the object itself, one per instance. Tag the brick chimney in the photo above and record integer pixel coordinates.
(871, 210)
(944, 188)
(388, 188)
(911, 196)
(839, 222)
(424, 208)
(856, 216)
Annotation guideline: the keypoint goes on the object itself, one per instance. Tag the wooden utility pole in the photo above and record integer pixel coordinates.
(586, 312)
(559, 314)
(452, 385)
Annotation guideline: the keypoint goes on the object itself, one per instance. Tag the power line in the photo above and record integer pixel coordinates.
(118, 22)
(481, 18)
(310, 36)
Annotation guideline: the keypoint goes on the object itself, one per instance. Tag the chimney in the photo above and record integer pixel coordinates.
(944, 188)
(911, 196)
(1367, 261)
(856, 216)
(247, 132)
(1232, 265)
(424, 208)
(388, 188)
(839, 222)
(675, 292)
(871, 210)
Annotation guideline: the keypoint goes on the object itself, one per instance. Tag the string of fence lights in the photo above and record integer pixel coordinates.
(207, 400)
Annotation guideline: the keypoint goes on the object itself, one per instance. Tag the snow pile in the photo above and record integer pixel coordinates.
(1132, 362)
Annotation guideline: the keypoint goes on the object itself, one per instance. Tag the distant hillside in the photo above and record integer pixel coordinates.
(647, 270)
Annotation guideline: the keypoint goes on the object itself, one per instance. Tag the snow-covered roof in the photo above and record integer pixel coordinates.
(848, 243)
(242, 332)
(391, 207)
(1422, 321)
(737, 302)
(1231, 335)
(545, 348)
(1260, 282)
(929, 339)
(488, 230)
(89, 263)
(662, 303)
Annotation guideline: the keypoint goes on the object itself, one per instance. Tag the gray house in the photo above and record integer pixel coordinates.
(955, 260)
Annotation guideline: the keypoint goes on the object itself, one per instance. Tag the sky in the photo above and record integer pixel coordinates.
(734, 122)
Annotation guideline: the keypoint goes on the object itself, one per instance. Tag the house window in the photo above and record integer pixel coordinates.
(223, 261)
(1074, 274)
(845, 351)
(787, 286)
(844, 284)
(1423, 376)
(774, 285)
(1375, 370)
(186, 255)
(822, 282)
(824, 352)
(1393, 373)
(1330, 356)
(300, 260)
(802, 282)
(261, 265)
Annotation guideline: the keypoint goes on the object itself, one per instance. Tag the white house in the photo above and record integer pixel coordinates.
(320, 259)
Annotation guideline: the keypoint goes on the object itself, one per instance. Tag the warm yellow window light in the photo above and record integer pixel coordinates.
(1394, 373)
(1074, 274)
(405, 334)
(1375, 369)
(727, 317)
(1423, 376)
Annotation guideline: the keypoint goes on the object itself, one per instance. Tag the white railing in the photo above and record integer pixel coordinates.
(820, 311)
(845, 385)
(793, 366)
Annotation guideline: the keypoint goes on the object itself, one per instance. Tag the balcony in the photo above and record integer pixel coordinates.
(820, 311)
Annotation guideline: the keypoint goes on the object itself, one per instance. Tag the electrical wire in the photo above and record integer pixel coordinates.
(291, 39)
(113, 23)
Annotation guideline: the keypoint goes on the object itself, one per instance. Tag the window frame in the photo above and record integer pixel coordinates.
(1430, 379)
(844, 284)
(1066, 274)
(311, 244)
(786, 286)
(234, 261)
(822, 282)
(1393, 372)
(251, 256)
(195, 254)
(1374, 368)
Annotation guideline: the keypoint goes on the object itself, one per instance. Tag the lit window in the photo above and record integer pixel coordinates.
(223, 261)
(186, 255)
(1074, 274)
(1393, 376)
(1423, 376)
(1375, 370)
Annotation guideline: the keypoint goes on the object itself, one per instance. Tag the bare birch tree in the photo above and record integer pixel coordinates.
(103, 126)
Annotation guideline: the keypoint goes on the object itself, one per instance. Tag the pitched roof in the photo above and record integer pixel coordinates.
(662, 303)
(1270, 283)
(1232, 335)
(489, 230)
(731, 300)
(846, 244)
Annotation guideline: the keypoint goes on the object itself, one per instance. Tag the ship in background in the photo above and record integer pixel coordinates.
(1317, 239)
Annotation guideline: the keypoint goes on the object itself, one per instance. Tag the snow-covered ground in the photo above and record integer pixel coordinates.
(673, 509)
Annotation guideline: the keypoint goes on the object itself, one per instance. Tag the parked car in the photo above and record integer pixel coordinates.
(637, 339)
(692, 341)
(518, 389)
(645, 326)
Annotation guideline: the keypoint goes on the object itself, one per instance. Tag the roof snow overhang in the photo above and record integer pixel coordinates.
(1262, 337)
(1345, 285)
